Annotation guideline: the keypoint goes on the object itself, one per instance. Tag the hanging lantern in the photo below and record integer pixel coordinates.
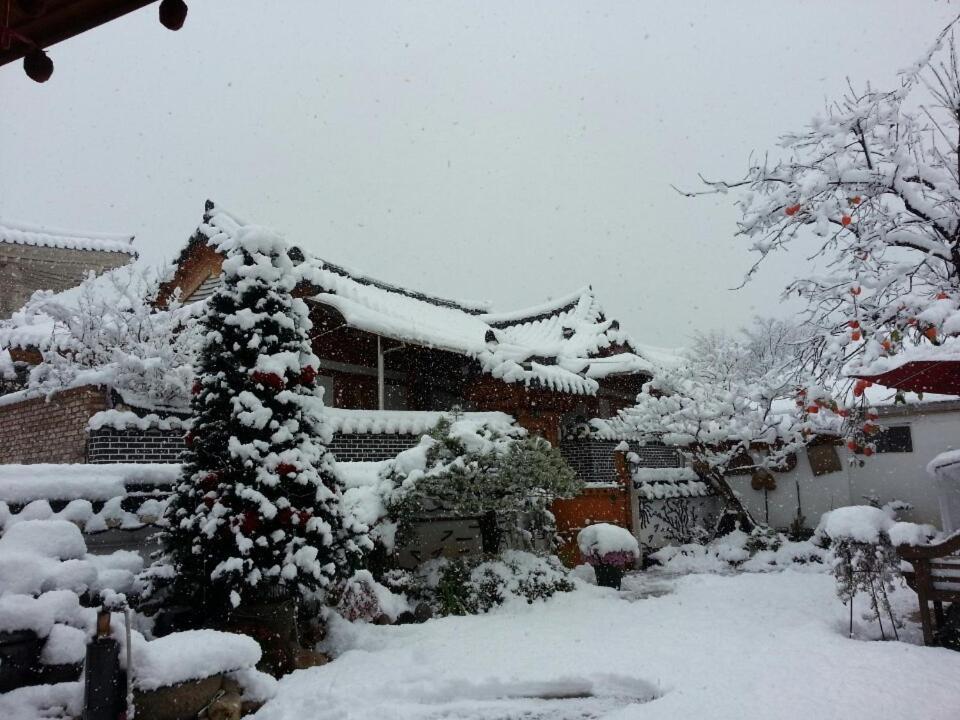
(173, 13)
(37, 65)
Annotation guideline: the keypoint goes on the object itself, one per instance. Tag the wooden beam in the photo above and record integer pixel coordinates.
(63, 19)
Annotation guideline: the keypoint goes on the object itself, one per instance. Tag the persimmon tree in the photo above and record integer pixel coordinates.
(724, 411)
(875, 182)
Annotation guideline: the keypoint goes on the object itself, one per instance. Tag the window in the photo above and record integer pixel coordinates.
(896, 439)
(824, 459)
(326, 382)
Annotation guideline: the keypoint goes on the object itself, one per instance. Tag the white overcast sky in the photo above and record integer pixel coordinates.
(497, 150)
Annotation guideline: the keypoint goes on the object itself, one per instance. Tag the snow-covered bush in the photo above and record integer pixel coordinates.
(761, 550)
(475, 585)
(363, 598)
(863, 540)
(257, 515)
(471, 468)
(107, 331)
(605, 544)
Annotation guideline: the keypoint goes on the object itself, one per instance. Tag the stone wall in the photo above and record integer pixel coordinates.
(368, 447)
(109, 445)
(49, 431)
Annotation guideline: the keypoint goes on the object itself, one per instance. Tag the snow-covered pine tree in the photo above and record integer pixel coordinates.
(257, 514)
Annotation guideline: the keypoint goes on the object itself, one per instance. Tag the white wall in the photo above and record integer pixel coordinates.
(888, 476)
(903, 476)
(817, 495)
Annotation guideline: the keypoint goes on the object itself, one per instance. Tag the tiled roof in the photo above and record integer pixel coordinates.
(23, 234)
(565, 345)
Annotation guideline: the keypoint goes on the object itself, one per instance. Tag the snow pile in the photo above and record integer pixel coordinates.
(785, 655)
(21, 484)
(872, 525)
(190, 655)
(82, 513)
(63, 700)
(605, 544)
(126, 420)
(861, 523)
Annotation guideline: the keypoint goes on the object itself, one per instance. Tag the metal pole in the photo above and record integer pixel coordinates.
(380, 381)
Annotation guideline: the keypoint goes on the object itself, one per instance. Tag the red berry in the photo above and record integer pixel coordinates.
(855, 290)
(286, 469)
(792, 210)
(813, 409)
(846, 220)
(853, 324)
(855, 335)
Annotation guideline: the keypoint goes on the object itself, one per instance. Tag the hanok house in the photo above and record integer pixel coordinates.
(392, 357)
(35, 258)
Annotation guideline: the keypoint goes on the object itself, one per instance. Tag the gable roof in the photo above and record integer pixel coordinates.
(566, 345)
(16, 233)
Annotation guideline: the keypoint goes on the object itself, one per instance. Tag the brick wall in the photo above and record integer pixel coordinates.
(109, 445)
(594, 505)
(54, 431)
(591, 459)
(363, 447)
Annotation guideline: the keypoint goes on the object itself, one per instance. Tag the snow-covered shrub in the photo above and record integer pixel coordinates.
(467, 586)
(865, 559)
(257, 515)
(107, 331)
(363, 598)
(758, 551)
(467, 467)
(605, 544)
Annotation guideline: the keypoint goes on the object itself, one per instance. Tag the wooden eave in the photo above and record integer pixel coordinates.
(59, 21)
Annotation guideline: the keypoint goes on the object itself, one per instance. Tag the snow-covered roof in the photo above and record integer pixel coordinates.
(402, 422)
(566, 344)
(17, 233)
(667, 483)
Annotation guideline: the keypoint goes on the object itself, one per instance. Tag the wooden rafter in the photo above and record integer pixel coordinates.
(59, 20)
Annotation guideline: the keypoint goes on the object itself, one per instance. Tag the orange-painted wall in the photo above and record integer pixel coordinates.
(595, 505)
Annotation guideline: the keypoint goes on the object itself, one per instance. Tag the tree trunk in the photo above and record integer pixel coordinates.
(732, 504)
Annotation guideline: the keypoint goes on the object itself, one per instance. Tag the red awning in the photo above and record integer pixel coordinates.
(927, 376)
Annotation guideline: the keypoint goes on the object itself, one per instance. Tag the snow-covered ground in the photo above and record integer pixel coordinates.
(749, 645)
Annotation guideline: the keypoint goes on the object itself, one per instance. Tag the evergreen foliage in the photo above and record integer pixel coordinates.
(257, 513)
(480, 471)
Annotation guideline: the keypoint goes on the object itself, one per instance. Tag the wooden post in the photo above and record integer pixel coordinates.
(921, 568)
(104, 689)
